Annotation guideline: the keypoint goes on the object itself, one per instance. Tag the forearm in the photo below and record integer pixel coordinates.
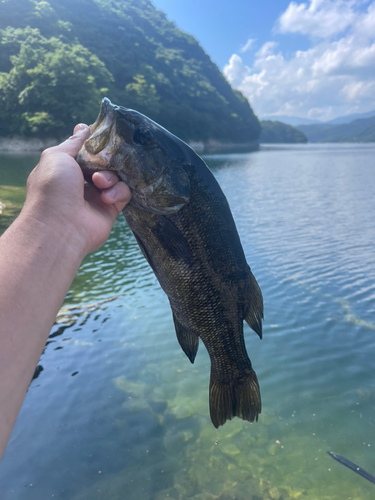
(62, 220)
(37, 266)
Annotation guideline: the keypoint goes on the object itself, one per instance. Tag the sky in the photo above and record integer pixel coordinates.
(312, 59)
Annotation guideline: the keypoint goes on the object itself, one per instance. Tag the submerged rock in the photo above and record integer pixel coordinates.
(136, 389)
(231, 429)
(136, 404)
(168, 494)
(274, 493)
(204, 496)
(229, 449)
(185, 406)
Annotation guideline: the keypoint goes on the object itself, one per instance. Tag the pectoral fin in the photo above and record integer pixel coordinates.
(172, 239)
(253, 307)
(188, 341)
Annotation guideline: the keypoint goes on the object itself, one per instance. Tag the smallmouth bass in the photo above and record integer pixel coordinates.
(184, 228)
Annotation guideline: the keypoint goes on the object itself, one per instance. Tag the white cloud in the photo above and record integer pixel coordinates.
(267, 49)
(367, 22)
(335, 76)
(321, 18)
(235, 71)
(248, 45)
(359, 89)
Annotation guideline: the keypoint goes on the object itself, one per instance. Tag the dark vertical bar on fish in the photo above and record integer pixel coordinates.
(351, 465)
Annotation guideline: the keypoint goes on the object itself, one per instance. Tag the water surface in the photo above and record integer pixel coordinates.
(118, 411)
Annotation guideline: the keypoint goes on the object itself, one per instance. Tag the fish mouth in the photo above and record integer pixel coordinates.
(103, 142)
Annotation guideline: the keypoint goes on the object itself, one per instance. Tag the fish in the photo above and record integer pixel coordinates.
(184, 227)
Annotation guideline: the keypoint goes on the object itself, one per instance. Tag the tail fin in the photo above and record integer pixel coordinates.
(239, 397)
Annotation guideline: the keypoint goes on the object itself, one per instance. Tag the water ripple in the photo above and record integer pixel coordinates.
(118, 408)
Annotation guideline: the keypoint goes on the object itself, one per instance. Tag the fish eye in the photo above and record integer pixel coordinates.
(143, 136)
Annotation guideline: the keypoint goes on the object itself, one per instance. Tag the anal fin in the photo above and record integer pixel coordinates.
(188, 341)
(253, 307)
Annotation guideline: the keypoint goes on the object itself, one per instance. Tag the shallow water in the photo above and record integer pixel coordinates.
(118, 411)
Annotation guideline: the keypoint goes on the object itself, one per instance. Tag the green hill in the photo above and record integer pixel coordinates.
(58, 59)
(362, 130)
(278, 132)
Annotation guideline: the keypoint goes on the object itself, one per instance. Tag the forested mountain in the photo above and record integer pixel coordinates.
(59, 58)
(277, 132)
(362, 130)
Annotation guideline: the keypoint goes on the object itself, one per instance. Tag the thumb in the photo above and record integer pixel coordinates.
(72, 145)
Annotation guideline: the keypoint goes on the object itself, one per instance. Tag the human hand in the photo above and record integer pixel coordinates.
(58, 196)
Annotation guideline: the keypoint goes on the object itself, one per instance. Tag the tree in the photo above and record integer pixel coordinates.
(151, 65)
(51, 85)
(142, 96)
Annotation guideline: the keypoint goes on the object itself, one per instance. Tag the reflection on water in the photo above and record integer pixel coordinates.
(118, 412)
(14, 170)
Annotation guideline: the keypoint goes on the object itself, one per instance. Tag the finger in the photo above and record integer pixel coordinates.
(104, 179)
(94, 197)
(79, 127)
(118, 195)
(72, 145)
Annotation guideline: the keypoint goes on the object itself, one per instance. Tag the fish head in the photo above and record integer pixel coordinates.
(144, 155)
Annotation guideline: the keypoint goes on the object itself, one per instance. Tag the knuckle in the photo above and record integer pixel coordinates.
(41, 178)
(46, 154)
(30, 180)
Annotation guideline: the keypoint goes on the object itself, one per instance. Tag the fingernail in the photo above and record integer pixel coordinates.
(108, 176)
(82, 127)
(111, 193)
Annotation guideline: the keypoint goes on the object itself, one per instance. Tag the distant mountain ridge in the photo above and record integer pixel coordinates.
(295, 121)
(360, 130)
(350, 118)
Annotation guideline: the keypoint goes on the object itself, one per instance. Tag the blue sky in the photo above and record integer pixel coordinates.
(312, 59)
(223, 27)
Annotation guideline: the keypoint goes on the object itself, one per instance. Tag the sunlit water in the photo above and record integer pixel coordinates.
(118, 412)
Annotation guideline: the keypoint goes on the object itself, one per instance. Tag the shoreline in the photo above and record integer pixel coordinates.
(32, 145)
(22, 145)
(19, 144)
(213, 146)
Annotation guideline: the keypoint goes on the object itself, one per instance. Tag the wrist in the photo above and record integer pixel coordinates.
(57, 237)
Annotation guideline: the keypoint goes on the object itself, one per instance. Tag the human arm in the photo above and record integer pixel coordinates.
(62, 220)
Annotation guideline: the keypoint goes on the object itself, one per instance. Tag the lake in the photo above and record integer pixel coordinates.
(118, 412)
